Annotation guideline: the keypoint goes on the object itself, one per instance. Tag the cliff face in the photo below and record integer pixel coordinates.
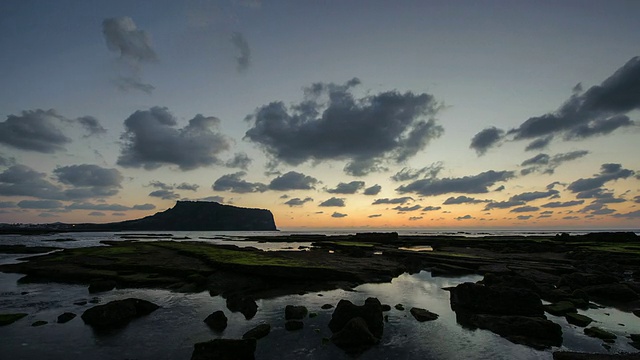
(203, 216)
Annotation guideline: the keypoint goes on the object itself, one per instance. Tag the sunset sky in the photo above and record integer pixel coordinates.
(331, 114)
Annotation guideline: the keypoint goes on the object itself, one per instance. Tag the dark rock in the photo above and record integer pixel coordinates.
(569, 355)
(580, 294)
(96, 286)
(225, 349)
(399, 307)
(596, 332)
(370, 312)
(292, 312)
(6, 319)
(66, 317)
(498, 300)
(386, 307)
(578, 280)
(293, 325)
(355, 336)
(326, 306)
(217, 321)
(39, 323)
(246, 305)
(578, 320)
(422, 314)
(512, 281)
(538, 277)
(80, 303)
(258, 332)
(117, 313)
(636, 312)
(536, 332)
(614, 292)
(312, 315)
(635, 337)
(560, 308)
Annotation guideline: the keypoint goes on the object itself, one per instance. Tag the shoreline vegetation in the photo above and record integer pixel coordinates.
(519, 273)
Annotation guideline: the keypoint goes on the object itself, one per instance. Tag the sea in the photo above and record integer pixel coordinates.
(171, 331)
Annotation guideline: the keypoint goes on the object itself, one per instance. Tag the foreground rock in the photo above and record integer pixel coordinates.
(97, 286)
(423, 315)
(66, 317)
(217, 321)
(569, 355)
(258, 332)
(292, 312)
(117, 313)
(6, 319)
(245, 305)
(225, 349)
(536, 332)
(356, 328)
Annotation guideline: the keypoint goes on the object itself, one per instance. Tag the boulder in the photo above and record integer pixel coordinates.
(217, 321)
(636, 312)
(578, 320)
(599, 333)
(578, 280)
(292, 312)
(613, 292)
(225, 349)
(39, 323)
(569, 355)
(246, 305)
(258, 332)
(422, 314)
(370, 312)
(386, 307)
(117, 313)
(355, 336)
(497, 300)
(66, 317)
(399, 307)
(560, 308)
(6, 319)
(512, 281)
(293, 325)
(536, 332)
(96, 286)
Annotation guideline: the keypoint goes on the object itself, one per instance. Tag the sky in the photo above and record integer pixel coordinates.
(331, 114)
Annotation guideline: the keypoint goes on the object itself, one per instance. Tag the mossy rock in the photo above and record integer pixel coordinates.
(578, 320)
(6, 319)
(560, 308)
(599, 333)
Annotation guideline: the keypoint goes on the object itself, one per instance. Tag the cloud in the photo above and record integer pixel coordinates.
(91, 125)
(485, 139)
(347, 188)
(466, 217)
(293, 181)
(559, 204)
(40, 204)
(534, 195)
(188, 187)
(34, 130)
(524, 217)
(215, 198)
(539, 144)
(629, 215)
(432, 208)
(151, 140)
(243, 60)
(96, 213)
(608, 172)
(21, 180)
(373, 190)
(7, 204)
(407, 173)
(400, 200)
(338, 215)
(636, 199)
(407, 208)
(144, 207)
(134, 82)
(337, 202)
(160, 185)
(503, 204)
(297, 201)
(499, 188)
(164, 194)
(97, 207)
(414, 218)
(332, 124)
(93, 179)
(234, 183)
(476, 184)
(374, 216)
(525, 209)
(462, 200)
(239, 160)
(547, 164)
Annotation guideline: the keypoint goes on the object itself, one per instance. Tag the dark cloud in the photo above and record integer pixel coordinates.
(239, 160)
(144, 207)
(476, 184)
(98, 180)
(40, 204)
(160, 185)
(347, 188)
(539, 144)
(34, 130)
(540, 159)
(188, 187)
(91, 125)
(485, 139)
(407, 173)
(215, 198)
(407, 208)
(559, 204)
(235, 183)
(524, 217)
(547, 164)
(21, 180)
(97, 207)
(331, 124)
(134, 82)
(534, 195)
(297, 201)
(414, 218)
(400, 200)
(7, 204)
(152, 140)
(243, 60)
(374, 216)
(373, 190)
(432, 208)
(499, 188)
(4, 161)
(629, 215)
(636, 199)
(462, 200)
(524, 209)
(466, 217)
(293, 181)
(337, 202)
(123, 37)
(503, 204)
(338, 215)
(608, 172)
(164, 194)
(96, 213)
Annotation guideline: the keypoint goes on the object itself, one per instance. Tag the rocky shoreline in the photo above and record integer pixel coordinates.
(525, 278)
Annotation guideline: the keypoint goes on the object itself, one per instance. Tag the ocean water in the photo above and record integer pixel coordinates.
(171, 331)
